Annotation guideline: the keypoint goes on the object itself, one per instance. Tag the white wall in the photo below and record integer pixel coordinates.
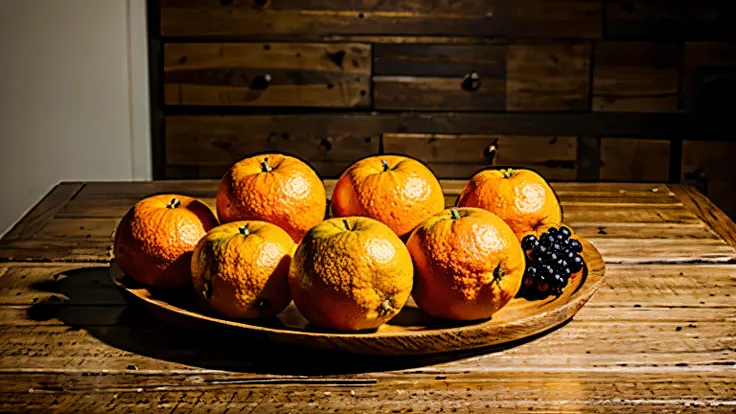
(73, 96)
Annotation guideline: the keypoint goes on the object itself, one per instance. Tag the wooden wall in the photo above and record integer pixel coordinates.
(636, 90)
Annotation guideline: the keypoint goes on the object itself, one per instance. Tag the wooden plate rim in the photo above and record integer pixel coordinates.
(594, 278)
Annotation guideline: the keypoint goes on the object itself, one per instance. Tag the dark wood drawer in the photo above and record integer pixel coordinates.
(212, 143)
(267, 74)
(461, 156)
(316, 19)
(636, 76)
(512, 77)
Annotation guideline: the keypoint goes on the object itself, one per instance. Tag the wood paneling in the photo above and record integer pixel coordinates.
(636, 76)
(709, 78)
(431, 77)
(329, 143)
(415, 93)
(680, 19)
(548, 77)
(714, 161)
(314, 19)
(634, 159)
(460, 156)
(267, 74)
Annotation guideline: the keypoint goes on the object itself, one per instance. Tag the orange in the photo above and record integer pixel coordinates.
(397, 191)
(241, 269)
(350, 274)
(468, 264)
(155, 239)
(275, 188)
(522, 198)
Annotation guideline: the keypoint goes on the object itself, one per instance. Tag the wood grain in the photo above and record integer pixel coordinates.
(704, 63)
(300, 20)
(330, 146)
(713, 162)
(425, 93)
(707, 211)
(678, 20)
(636, 76)
(604, 392)
(634, 159)
(40, 214)
(610, 214)
(430, 77)
(460, 156)
(548, 77)
(299, 74)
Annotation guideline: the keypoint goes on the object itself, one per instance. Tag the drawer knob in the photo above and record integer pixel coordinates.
(472, 81)
(490, 152)
(261, 82)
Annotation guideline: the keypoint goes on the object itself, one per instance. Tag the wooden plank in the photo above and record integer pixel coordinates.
(80, 228)
(708, 72)
(298, 74)
(208, 141)
(708, 212)
(715, 161)
(651, 286)
(59, 250)
(652, 126)
(426, 77)
(636, 77)
(634, 159)
(489, 61)
(463, 155)
(589, 158)
(609, 392)
(299, 20)
(548, 77)
(37, 218)
(664, 251)
(155, 348)
(424, 93)
(678, 20)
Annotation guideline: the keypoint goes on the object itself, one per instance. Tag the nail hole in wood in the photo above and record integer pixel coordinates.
(363, 93)
(325, 144)
(330, 86)
(367, 140)
(183, 59)
(298, 54)
(284, 136)
(361, 16)
(266, 47)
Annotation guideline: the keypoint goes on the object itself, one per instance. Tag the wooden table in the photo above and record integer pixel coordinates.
(659, 336)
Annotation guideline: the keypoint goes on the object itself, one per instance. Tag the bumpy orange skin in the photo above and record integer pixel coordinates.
(401, 197)
(241, 269)
(287, 193)
(522, 198)
(466, 268)
(350, 274)
(155, 239)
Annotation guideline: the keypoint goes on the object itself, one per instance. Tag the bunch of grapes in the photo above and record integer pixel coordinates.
(551, 260)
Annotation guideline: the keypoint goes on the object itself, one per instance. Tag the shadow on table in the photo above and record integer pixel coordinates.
(95, 305)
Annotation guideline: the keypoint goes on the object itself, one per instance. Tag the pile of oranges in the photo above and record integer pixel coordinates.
(389, 237)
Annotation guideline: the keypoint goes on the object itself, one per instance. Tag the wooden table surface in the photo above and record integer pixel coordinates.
(659, 336)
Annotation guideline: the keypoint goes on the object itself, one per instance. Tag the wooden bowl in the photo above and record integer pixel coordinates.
(411, 332)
